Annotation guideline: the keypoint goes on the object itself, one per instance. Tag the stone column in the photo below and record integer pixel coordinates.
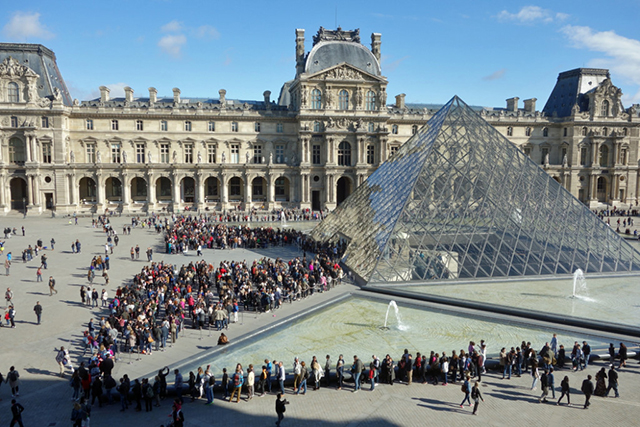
(200, 190)
(271, 189)
(126, 190)
(99, 192)
(224, 190)
(247, 191)
(2, 191)
(36, 191)
(594, 187)
(151, 192)
(29, 191)
(176, 196)
(596, 148)
(28, 147)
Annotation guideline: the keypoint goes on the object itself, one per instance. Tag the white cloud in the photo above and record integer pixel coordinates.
(172, 44)
(622, 54)
(207, 31)
(24, 25)
(532, 14)
(496, 75)
(172, 27)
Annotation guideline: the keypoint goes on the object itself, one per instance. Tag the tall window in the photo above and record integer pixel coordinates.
(13, 92)
(344, 154)
(527, 132)
(371, 154)
(281, 188)
(256, 126)
(316, 99)
(164, 153)
(370, 101)
(564, 131)
(279, 127)
(317, 127)
(545, 132)
(16, 151)
(279, 153)
(605, 131)
(115, 153)
(414, 129)
(234, 126)
(257, 154)
(604, 156)
(91, 153)
(371, 127)
(235, 153)
(164, 126)
(212, 126)
(46, 152)
(545, 153)
(45, 122)
(394, 129)
(140, 153)
(187, 126)
(235, 187)
(315, 154)
(343, 100)
(583, 156)
(604, 110)
(114, 125)
(139, 125)
(89, 124)
(188, 153)
(14, 122)
(509, 131)
(211, 153)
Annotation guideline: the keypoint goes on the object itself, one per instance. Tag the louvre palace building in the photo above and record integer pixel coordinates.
(327, 131)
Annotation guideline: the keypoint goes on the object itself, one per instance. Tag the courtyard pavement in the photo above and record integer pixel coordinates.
(46, 397)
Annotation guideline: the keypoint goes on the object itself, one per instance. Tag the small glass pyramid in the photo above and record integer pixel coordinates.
(459, 200)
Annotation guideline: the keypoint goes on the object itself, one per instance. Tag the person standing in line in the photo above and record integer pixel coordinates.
(282, 375)
(251, 376)
(327, 369)
(16, 413)
(52, 286)
(357, 371)
(466, 389)
(587, 388)
(565, 390)
(297, 370)
(304, 375)
(623, 355)
(238, 380)
(280, 408)
(476, 396)
(340, 371)
(38, 310)
(613, 381)
(105, 298)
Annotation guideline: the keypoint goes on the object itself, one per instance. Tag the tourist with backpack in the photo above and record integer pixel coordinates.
(14, 381)
(238, 380)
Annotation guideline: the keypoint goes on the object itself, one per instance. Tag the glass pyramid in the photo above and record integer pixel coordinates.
(459, 200)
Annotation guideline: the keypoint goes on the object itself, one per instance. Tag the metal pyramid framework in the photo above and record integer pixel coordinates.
(459, 200)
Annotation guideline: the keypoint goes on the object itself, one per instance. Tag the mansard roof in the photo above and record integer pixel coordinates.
(572, 88)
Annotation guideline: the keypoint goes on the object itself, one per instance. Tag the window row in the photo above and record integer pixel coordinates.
(344, 103)
(187, 126)
(44, 122)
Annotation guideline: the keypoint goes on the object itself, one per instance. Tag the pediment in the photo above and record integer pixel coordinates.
(12, 68)
(345, 71)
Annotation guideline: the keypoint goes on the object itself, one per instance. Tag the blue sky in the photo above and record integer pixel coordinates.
(483, 51)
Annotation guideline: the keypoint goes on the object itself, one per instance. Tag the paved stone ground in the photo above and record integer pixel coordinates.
(47, 397)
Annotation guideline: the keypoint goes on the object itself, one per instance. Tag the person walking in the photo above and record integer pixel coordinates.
(52, 286)
(587, 388)
(39, 274)
(38, 310)
(613, 381)
(476, 396)
(280, 408)
(466, 389)
(8, 296)
(565, 390)
(12, 316)
(544, 382)
(14, 381)
(16, 413)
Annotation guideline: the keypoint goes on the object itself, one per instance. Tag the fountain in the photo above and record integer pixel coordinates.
(396, 311)
(579, 284)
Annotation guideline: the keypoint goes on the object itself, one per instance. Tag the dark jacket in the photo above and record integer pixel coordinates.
(587, 387)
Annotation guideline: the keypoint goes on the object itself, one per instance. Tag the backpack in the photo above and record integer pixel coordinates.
(149, 391)
(212, 380)
(463, 388)
(13, 376)
(236, 380)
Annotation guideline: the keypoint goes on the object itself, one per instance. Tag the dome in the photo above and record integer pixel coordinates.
(327, 54)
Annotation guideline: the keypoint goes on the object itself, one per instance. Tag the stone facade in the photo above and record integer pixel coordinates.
(329, 129)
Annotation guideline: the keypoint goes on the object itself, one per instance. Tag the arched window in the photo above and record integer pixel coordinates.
(604, 110)
(370, 101)
(316, 99)
(343, 100)
(545, 132)
(344, 154)
(527, 132)
(509, 131)
(584, 131)
(13, 92)
(372, 127)
(604, 155)
(317, 127)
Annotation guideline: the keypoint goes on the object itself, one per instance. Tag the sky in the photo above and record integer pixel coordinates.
(482, 51)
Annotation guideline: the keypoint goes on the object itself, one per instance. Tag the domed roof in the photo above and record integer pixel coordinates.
(327, 54)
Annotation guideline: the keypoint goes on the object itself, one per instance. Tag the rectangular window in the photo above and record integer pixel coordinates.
(211, 153)
(115, 153)
(114, 125)
(394, 149)
(212, 126)
(583, 156)
(280, 153)
(315, 154)
(257, 154)
(187, 126)
(163, 126)
(164, 153)
(256, 126)
(140, 153)
(14, 122)
(235, 153)
(89, 124)
(564, 131)
(45, 122)
(371, 154)
(139, 125)
(91, 153)
(46, 152)
(279, 128)
(188, 153)
(234, 126)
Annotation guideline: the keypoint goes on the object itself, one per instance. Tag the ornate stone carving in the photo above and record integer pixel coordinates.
(12, 68)
(72, 157)
(338, 34)
(98, 157)
(358, 97)
(344, 73)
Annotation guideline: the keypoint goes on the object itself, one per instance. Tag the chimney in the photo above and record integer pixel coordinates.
(153, 95)
(530, 105)
(176, 95)
(512, 104)
(128, 94)
(375, 45)
(400, 101)
(267, 99)
(299, 51)
(104, 94)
